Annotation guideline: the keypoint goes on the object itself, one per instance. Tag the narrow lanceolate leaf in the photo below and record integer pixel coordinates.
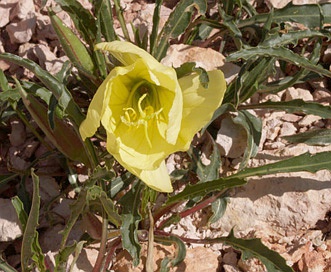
(96, 193)
(314, 137)
(276, 39)
(73, 47)
(104, 13)
(218, 208)
(252, 74)
(84, 22)
(177, 22)
(69, 143)
(253, 128)
(296, 105)
(211, 171)
(279, 53)
(4, 86)
(311, 16)
(156, 21)
(31, 250)
(229, 22)
(4, 266)
(130, 220)
(202, 189)
(77, 209)
(254, 248)
(305, 162)
(180, 251)
(60, 92)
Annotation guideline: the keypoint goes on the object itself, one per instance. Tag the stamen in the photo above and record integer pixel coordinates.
(141, 112)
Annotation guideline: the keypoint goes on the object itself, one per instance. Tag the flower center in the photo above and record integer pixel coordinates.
(142, 108)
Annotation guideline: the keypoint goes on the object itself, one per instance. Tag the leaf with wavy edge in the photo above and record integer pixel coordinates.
(255, 248)
(279, 53)
(295, 105)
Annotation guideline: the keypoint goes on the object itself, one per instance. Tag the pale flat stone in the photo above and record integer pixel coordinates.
(231, 138)
(206, 58)
(23, 9)
(322, 96)
(22, 31)
(281, 203)
(292, 118)
(230, 268)
(197, 259)
(10, 228)
(287, 129)
(17, 135)
(6, 7)
(308, 120)
(298, 93)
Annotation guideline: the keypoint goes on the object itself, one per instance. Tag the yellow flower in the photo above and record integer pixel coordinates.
(148, 113)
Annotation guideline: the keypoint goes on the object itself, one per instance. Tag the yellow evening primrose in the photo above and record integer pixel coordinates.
(148, 113)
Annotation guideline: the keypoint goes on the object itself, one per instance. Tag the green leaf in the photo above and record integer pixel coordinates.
(130, 220)
(76, 209)
(69, 143)
(61, 93)
(252, 74)
(119, 12)
(295, 105)
(19, 208)
(276, 39)
(254, 248)
(279, 53)
(305, 162)
(156, 21)
(313, 137)
(253, 127)
(30, 246)
(202, 189)
(230, 24)
(78, 249)
(7, 93)
(84, 22)
(176, 24)
(211, 171)
(4, 266)
(4, 86)
(62, 257)
(96, 192)
(311, 16)
(120, 183)
(180, 251)
(218, 208)
(104, 14)
(73, 47)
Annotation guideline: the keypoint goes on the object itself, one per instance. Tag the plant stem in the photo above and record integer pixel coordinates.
(149, 260)
(201, 205)
(120, 16)
(98, 267)
(111, 252)
(27, 124)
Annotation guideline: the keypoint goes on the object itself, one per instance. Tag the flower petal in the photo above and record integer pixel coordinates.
(92, 121)
(199, 104)
(129, 143)
(99, 109)
(157, 179)
(126, 52)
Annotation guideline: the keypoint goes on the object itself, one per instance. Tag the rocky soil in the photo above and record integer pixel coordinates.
(291, 213)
